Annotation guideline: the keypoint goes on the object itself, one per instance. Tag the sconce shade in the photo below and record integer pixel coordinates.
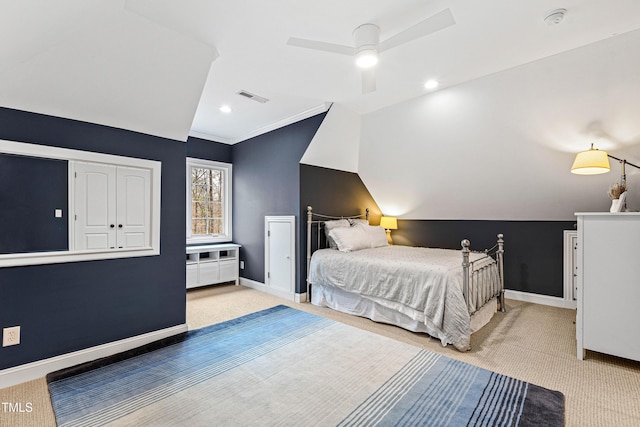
(591, 162)
(389, 222)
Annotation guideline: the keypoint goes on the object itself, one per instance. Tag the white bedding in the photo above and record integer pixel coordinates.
(423, 284)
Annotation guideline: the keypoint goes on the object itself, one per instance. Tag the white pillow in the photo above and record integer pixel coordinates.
(356, 221)
(358, 237)
(350, 239)
(330, 225)
(377, 236)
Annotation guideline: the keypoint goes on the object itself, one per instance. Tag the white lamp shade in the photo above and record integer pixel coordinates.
(389, 222)
(591, 162)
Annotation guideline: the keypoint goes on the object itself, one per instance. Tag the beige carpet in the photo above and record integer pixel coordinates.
(530, 342)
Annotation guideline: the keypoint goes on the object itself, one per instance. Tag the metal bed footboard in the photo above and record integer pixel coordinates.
(482, 281)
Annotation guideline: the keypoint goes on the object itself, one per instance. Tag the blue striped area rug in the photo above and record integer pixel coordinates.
(281, 367)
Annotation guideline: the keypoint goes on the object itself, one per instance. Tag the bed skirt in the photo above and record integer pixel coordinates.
(350, 303)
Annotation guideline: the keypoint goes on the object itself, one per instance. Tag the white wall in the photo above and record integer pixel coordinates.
(501, 147)
(336, 143)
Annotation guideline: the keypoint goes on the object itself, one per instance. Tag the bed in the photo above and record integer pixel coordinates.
(448, 294)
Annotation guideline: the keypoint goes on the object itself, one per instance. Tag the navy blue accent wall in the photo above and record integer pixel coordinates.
(533, 249)
(208, 150)
(62, 308)
(33, 188)
(331, 192)
(335, 192)
(266, 181)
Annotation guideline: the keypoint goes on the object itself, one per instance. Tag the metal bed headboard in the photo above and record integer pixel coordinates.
(319, 222)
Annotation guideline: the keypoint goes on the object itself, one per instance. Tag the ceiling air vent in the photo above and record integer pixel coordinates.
(253, 96)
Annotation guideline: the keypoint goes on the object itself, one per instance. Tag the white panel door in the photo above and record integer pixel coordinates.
(133, 201)
(280, 255)
(95, 203)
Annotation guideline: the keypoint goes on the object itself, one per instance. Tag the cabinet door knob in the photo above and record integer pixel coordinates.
(119, 225)
(111, 226)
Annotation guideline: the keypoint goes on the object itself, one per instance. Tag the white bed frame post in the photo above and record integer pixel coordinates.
(309, 221)
(500, 256)
(466, 244)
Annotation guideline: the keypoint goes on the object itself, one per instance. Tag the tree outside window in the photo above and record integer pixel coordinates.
(209, 207)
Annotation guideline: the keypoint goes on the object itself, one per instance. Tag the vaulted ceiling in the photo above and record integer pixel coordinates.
(164, 67)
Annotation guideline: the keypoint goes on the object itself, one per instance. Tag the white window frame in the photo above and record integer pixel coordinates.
(72, 254)
(226, 168)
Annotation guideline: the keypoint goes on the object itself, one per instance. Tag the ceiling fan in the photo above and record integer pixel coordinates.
(367, 45)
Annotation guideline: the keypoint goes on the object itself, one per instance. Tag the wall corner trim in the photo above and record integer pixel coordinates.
(258, 286)
(40, 368)
(539, 299)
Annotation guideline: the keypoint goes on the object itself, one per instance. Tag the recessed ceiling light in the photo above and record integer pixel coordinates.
(225, 109)
(431, 84)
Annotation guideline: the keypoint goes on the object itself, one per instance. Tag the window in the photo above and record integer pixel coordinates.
(208, 201)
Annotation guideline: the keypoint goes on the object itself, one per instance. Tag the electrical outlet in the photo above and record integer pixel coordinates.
(11, 336)
(241, 265)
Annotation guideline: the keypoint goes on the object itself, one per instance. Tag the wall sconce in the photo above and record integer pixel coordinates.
(389, 223)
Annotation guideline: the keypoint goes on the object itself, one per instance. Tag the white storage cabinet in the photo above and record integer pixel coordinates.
(608, 278)
(211, 264)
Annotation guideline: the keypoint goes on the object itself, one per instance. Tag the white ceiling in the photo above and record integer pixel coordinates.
(164, 67)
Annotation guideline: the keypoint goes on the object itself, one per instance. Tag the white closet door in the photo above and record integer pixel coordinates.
(134, 199)
(95, 206)
(280, 255)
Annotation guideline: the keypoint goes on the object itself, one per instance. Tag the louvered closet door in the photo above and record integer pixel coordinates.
(95, 206)
(133, 201)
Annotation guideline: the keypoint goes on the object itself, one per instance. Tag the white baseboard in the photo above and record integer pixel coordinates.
(539, 299)
(40, 368)
(289, 296)
(300, 298)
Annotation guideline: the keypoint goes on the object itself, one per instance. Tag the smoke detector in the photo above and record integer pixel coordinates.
(555, 17)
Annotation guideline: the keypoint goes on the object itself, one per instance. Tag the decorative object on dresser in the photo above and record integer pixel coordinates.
(420, 289)
(618, 194)
(608, 291)
(211, 264)
(389, 223)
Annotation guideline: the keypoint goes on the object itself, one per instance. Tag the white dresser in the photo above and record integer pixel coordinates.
(608, 284)
(211, 264)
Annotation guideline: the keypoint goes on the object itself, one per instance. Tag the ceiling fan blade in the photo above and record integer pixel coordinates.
(430, 25)
(323, 46)
(369, 80)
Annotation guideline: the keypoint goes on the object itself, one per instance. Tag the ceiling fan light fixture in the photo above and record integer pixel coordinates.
(431, 84)
(367, 58)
